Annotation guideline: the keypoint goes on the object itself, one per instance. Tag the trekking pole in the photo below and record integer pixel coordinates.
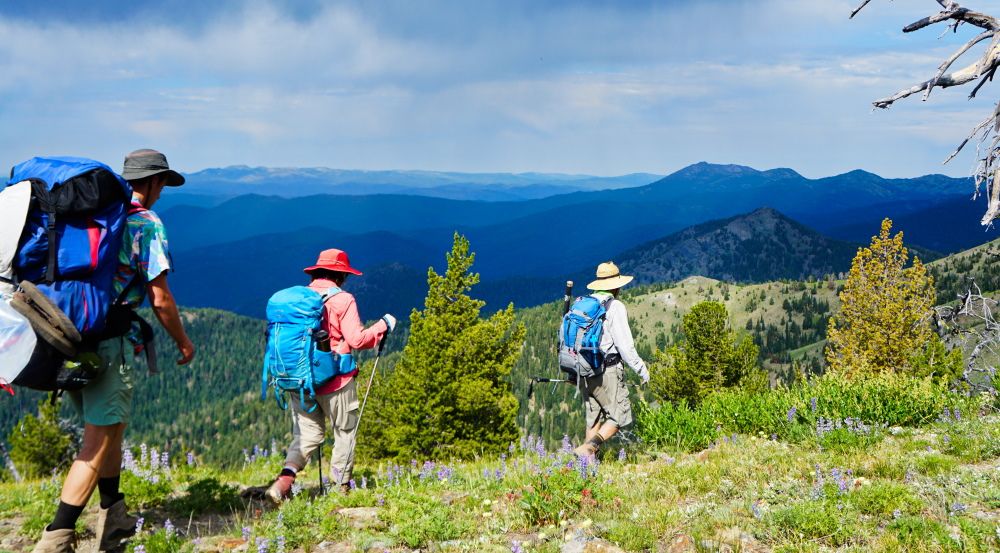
(319, 463)
(361, 412)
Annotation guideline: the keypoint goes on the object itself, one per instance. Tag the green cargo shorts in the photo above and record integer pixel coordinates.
(107, 399)
(607, 398)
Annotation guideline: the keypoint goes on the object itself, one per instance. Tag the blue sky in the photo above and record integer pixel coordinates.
(580, 87)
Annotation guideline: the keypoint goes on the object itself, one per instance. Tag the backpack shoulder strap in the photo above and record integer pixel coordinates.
(330, 292)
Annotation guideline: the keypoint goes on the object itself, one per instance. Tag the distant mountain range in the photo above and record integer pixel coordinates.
(292, 182)
(231, 253)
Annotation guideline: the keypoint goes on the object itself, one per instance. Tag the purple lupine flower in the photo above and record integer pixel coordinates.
(246, 533)
(791, 414)
(755, 509)
(139, 549)
(567, 446)
(143, 454)
(957, 414)
(364, 482)
(812, 404)
(957, 508)
(621, 455)
(138, 525)
(128, 461)
(444, 473)
(540, 448)
(169, 527)
(515, 547)
(511, 448)
(896, 514)
(499, 474)
(154, 459)
(262, 545)
(280, 545)
(190, 458)
(165, 461)
(352, 484)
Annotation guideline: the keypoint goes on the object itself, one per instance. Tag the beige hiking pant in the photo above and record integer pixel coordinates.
(341, 409)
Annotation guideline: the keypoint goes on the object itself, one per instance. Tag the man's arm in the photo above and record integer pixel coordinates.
(166, 312)
(621, 335)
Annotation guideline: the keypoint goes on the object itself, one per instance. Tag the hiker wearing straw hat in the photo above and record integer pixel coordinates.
(607, 404)
(336, 401)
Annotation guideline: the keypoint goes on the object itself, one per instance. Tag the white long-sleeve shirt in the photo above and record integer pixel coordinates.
(617, 337)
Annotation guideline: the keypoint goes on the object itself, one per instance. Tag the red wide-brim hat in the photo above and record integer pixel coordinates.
(333, 260)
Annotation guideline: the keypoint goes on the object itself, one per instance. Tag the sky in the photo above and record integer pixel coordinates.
(600, 87)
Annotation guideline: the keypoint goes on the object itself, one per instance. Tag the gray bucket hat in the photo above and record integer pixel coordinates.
(146, 163)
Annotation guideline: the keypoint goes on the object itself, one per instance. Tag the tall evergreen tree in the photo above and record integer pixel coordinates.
(883, 322)
(449, 394)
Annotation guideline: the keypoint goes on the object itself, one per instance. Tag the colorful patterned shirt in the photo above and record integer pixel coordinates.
(144, 254)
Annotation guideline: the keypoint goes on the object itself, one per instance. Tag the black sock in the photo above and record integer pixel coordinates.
(66, 516)
(596, 441)
(287, 472)
(108, 487)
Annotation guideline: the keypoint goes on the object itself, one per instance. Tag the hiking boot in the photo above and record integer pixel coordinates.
(280, 489)
(585, 449)
(56, 541)
(345, 489)
(114, 524)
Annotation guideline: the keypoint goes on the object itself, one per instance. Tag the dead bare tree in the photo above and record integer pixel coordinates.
(970, 324)
(987, 171)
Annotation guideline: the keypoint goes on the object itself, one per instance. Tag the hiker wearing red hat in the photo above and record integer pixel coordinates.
(337, 400)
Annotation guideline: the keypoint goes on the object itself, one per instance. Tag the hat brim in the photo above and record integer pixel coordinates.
(613, 283)
(339, 269)
(173, 177)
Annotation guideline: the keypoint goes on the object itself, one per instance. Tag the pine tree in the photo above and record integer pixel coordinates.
(711, 357)
(882, 324)
(449, 395)
(39, 444)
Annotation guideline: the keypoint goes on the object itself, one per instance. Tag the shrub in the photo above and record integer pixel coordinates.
(40, 444)
(837, 411)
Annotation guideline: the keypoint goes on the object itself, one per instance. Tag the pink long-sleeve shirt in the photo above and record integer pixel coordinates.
(347, 333)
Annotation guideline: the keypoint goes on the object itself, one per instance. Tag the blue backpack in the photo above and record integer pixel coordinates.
(580, 352)
(70, 242)
(292, 362)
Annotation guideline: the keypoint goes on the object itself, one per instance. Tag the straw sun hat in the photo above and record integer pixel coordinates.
(609, 277)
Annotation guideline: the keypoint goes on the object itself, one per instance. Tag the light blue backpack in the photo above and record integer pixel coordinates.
(292, 363)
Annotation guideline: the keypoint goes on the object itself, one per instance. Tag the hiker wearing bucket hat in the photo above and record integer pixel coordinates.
(337, 400)
(106, 402)
(607, 404)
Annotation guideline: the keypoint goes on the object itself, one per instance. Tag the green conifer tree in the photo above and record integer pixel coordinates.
(38, 444)
(711, 357)
(449, 394)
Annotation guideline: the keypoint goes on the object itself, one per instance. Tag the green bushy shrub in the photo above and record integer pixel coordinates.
(837, 411)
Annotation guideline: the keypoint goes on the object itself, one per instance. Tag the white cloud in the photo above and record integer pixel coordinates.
(608, 88)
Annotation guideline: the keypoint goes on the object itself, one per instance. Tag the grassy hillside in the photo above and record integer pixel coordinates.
(931, 488)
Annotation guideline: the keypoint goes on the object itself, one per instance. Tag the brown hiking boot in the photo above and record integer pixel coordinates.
(585, 449)
(280, 489)
(114, 524)
(345, 489)
(56, 541)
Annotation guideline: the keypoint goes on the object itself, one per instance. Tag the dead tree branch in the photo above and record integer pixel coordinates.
(982, 69)
(970, 324)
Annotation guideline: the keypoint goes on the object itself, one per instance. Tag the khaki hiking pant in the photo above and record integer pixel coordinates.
(341, 409)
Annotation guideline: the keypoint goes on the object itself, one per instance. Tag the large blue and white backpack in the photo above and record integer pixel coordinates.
(580, 335)
(292, 362)
(64, 218)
